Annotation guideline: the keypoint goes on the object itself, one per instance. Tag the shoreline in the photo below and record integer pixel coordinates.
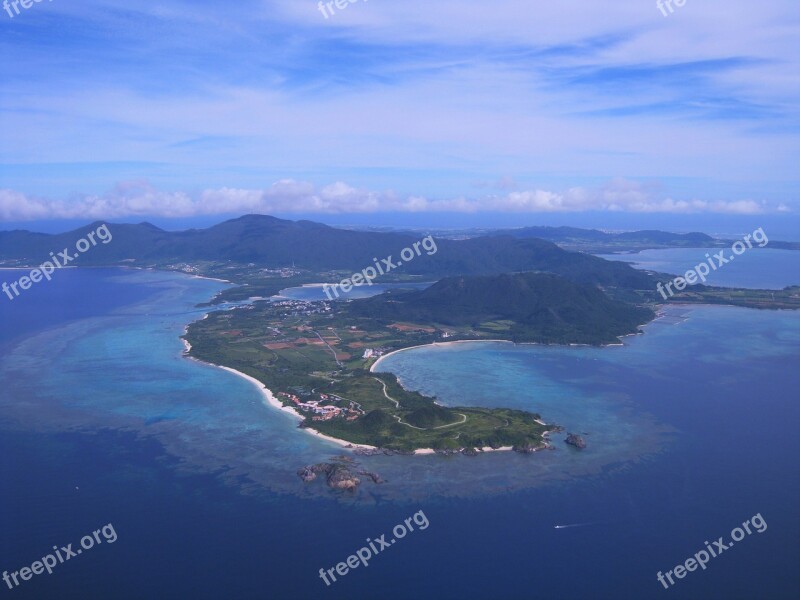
(204, 277)
(437, 344)
(429, 451)
(275, 403)
(272, 401)
(618, 343)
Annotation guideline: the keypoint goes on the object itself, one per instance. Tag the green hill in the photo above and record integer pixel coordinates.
(541, 307)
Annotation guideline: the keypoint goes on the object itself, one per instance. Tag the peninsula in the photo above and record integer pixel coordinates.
(318, 357)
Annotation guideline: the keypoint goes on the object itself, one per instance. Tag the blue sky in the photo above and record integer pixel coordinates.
(112, 109)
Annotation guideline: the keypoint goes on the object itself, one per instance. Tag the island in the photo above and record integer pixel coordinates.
(319, 359)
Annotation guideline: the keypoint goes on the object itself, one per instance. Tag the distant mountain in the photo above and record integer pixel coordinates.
(543, 308)
(269, 242)
(593, 240)
(574, 234)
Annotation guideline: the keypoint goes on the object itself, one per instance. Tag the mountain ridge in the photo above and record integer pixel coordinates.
(270, 242)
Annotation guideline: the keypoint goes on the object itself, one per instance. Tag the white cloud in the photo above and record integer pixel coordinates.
(139, 199)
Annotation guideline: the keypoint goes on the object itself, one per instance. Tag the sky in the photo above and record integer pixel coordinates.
(525, 109)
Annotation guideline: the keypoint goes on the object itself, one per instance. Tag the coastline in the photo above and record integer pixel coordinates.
(275, 403)
(380, 359)
(208, 278)
(270, 399)
(425, 451)
(618, 343)
(429, 451)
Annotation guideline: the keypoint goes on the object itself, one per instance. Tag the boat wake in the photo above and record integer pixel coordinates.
(575, 525)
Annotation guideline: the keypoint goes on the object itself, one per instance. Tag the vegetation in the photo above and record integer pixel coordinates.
(524, 307)
(315, 350)
(247, 246)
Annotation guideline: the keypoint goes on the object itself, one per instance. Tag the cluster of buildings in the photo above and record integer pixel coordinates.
(373, 352)
(283, 272)
(321, 412)
(302, 307)
(185, 268)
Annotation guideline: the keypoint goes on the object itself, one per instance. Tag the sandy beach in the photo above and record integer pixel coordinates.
(209, 278)
(266, 392)
(343, 443)
(611, 345)
(272, 401)
(377, 362)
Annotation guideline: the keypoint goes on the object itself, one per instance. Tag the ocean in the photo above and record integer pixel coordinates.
(757, 268)
(690, 430)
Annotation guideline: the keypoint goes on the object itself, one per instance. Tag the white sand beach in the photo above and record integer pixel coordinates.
(272, 401)
(437, 344)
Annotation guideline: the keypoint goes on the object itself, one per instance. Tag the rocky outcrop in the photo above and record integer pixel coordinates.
(447, 452)
(574, 439)
(367, 451)
(384, 451)
(374, 476)
(527, 448)
(337, 475)
(308, 474)
(341, 478)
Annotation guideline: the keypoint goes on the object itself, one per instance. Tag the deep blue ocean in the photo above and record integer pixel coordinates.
(691, 430)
